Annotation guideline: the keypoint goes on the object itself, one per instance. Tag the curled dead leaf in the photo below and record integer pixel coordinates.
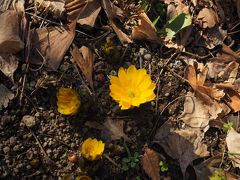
(145, 29)
(150, 163)
(84, 58)
(112, 12)
(10, 41)
(207, 18)
(74, 8)
(89, 15)
(5, 96)
(8, 65)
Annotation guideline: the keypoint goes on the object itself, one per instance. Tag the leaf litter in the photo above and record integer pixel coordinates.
(212, 92)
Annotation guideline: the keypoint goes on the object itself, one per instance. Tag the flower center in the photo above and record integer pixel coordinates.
(131, 94)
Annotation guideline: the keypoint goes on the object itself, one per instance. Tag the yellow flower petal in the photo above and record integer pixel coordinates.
(68, 101)
(132, 87)
(92, 149)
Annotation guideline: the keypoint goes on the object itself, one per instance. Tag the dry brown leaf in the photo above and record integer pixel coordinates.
(74, 8)
(233, 144)
(150, 163)
(196, 113)
(113, 129)
(210, 167)
(8, 65)
(145, 29)
(51, 43)
(238, 7)
(56, 8)
(114, 12)
(10, 41)
(203, 92)
(232, 98)
(84, 58)
(207, 18)
(229, 73)
(116, 128)
(184, 145)
(5, 96)
(90, 13)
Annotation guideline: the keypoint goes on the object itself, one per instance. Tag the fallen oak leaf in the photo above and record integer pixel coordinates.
(84, 58)
(150, 163)
(51, 43)
(184, 145)
(5, 96)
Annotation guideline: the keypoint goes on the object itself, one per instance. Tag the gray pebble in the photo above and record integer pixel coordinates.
(49, 151)
(166, 94)
(29, 155)
(37, 114)
(52, 114)
(29, 167)
(147, 57)
(16, 148)
(72, 145)
(12, 140)
(6, 150)
(29, 121)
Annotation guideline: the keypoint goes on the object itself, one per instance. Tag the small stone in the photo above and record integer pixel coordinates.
(12, 140)
(166, 94)
(49, 151)
(52, 114)
(72, 145)
(29, 121)
(147, 57)
(29, 155)
(37, 114)
(29, 167)
(16, 148)
(6, 150)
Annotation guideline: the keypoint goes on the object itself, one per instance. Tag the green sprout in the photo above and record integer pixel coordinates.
(227, 126)
(130, 162)
(218, 175)
(163, 166)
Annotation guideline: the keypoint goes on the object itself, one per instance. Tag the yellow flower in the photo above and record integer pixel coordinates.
(68, 101)
(92, 149)
(132, 87)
